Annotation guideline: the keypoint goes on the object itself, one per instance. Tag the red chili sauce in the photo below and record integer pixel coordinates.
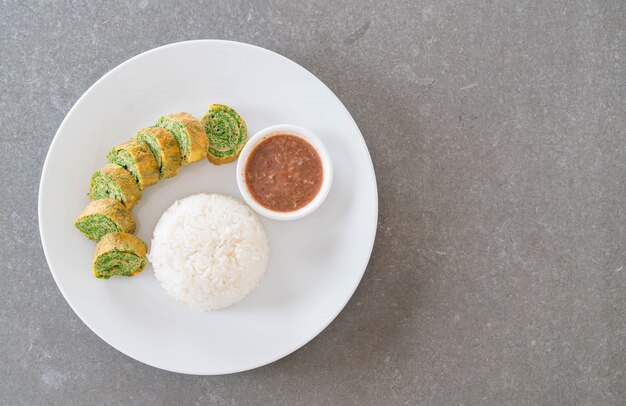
(283, 173)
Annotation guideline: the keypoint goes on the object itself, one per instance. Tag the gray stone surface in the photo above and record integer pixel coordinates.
(497, 130)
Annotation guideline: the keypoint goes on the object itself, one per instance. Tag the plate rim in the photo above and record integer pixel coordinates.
(53, 144)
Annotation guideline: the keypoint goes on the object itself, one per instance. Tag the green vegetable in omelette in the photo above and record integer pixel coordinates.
(189, 134)
(114, 182)
(227, 133)
(104, 216)
(136, 158)
(164, 147)
(120, 254)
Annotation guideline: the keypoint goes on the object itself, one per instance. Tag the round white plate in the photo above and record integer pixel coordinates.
(316, 262)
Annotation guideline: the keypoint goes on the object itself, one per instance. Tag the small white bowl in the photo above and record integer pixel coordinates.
(327, 171)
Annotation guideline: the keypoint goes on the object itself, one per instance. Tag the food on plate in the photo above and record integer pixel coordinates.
(120, 254)
(210, 260)
(189, 134)
(283, 172)
(227, 133)
(104, 216)
(209, 251)
(136, 158)
(164, 147)
(113, 181)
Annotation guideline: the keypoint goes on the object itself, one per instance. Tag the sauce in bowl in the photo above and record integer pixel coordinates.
(283, 173)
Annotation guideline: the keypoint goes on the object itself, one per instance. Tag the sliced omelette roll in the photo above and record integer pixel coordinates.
(104, 216)
(114, 182)
(120, 254)
(164, 148)
(189, 134)
(226, 131)
(136, 158)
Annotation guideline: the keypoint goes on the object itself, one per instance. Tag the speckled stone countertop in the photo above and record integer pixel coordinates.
(498, 135)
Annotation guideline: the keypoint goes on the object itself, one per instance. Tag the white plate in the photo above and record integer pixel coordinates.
(316, 262)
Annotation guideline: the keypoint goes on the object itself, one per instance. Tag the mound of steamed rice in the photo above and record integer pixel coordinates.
(209, 251)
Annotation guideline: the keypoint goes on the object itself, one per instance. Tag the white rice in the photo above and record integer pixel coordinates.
(209, 251)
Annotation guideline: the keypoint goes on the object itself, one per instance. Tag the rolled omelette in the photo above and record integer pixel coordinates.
(164, 147)
(189, 134)
(227, 133)
(114, 182)
(105, 216)
(136, 158)
(120, 254)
